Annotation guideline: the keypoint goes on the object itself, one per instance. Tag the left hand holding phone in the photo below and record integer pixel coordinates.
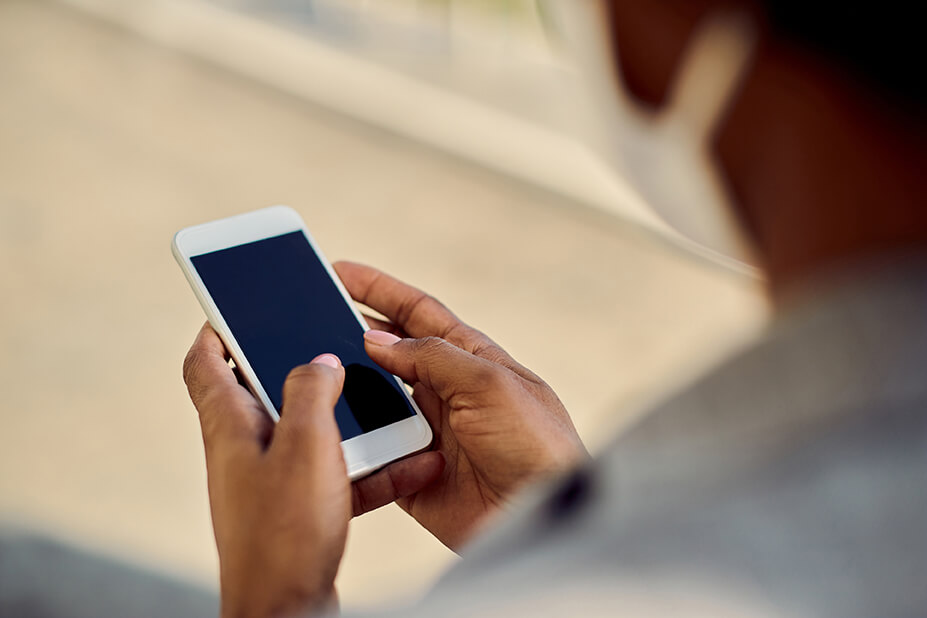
(279, 494)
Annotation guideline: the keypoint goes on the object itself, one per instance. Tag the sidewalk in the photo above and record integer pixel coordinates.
(109, 144)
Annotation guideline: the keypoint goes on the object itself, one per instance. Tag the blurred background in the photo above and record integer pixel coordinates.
(437, 140)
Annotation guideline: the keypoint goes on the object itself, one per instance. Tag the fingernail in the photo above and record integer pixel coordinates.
(329, 360)
(380, 337)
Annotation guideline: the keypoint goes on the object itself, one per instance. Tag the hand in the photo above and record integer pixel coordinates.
(498, 425)
(279, 494)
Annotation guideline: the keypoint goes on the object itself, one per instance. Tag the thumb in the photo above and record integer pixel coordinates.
(432, 361)
(309, 396)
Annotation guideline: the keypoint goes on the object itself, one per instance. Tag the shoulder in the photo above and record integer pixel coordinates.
(787, 479)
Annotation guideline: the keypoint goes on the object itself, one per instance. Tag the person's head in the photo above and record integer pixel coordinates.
(814, 133)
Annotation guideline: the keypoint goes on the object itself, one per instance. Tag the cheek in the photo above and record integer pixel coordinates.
(743, 165)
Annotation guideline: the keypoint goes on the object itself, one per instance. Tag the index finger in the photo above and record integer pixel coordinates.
(414, 311)
(227, 411)
(419, 315)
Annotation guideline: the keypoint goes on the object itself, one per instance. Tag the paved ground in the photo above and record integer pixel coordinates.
(109, 144)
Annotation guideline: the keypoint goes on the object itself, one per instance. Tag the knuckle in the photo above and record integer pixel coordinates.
(485, 347)
(431, 303)
(295, 430)
(191, 364)
(418, 303)
(303, 373)
(309, 379)
(467, 332)
(431, 351)
(358, 500)
(431, 345)
(411, 305)
(493, 377)
(303, 377)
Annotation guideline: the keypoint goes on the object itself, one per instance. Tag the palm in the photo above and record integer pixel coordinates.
(509, 434)
(451, 507)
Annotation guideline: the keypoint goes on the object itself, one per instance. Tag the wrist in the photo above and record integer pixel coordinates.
(280, 606)
(264, 597)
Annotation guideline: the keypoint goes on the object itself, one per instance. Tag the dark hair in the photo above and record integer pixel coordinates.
(878, 43)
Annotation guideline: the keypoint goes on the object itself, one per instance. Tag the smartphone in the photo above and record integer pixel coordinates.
(276, 303)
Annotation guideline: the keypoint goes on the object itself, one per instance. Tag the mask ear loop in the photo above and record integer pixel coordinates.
(714, 66)
(581, 26)
(716, 62)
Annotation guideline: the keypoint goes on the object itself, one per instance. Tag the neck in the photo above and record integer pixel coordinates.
(823, 171)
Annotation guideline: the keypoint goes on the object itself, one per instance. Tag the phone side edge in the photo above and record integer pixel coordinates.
(214, 316)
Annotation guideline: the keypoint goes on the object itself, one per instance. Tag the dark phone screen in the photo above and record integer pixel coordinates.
(284, 310)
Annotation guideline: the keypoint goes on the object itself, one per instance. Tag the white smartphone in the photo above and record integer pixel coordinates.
(276, 303)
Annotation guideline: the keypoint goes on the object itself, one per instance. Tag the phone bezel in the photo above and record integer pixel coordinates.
(364, 453)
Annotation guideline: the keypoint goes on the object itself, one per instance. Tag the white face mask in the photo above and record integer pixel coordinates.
(666, 155)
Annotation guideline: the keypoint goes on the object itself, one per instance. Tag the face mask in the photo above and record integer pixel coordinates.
(666, 155)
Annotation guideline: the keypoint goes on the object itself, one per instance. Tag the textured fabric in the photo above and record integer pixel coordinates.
(792, 481)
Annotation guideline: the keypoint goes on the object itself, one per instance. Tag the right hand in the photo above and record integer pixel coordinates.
(498, 425)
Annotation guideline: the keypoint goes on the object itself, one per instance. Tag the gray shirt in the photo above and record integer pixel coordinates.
(791, 481)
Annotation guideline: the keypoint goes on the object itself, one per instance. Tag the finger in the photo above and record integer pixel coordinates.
(378, 324)
(397, 480)
(307, 420)
(228, 413)
(439, 365)
(419, 315)
(415, 312)
(206, 367)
